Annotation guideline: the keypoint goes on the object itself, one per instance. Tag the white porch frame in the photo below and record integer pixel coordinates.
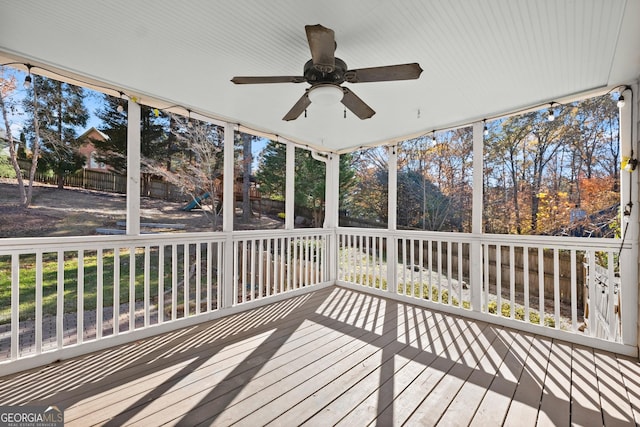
(286, 253)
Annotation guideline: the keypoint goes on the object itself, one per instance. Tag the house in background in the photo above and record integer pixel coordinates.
(88, 149)
(4, 144)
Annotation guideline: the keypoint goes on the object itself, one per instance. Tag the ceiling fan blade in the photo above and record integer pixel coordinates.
(384, 74)
(297, 109)
(322, 44)
(267, 79)
(356, 105)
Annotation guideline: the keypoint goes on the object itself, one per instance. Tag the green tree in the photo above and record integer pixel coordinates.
(155, 143)
(272, 169)
(113, 150)
(247, 160)
(367, 198)
(60, 111)
(424, 205)
(310, 176)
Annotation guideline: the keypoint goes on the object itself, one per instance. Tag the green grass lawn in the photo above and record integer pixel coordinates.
(90, 290)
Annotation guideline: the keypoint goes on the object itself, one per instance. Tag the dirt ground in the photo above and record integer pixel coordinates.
(78, 212)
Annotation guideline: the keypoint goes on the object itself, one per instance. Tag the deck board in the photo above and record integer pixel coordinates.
(525, 405)
(357, 381)
(338, 357)
(584, 388)
(439, 400)
(614, 400)
(411, 397)
(493, 408)
(466, 402)
(555, 407)
(629, 370)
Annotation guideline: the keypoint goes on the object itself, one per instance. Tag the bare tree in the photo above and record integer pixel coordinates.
(26, 194)
(510, 146)
(196, 164)
(7, 86)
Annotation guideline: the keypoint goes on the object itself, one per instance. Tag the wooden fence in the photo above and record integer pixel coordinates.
(108, 182)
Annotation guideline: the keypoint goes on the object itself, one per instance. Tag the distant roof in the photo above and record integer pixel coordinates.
(91, 130)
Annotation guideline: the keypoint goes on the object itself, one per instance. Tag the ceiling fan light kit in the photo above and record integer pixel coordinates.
(325, 94)
(326, 73)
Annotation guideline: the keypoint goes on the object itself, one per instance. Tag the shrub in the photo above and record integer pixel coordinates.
(362, 279)
(6, 169)
(534, 316)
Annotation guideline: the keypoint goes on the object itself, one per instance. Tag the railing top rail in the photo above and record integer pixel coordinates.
(298, 232)
(551, 242)
(559, 242)
(39, 244)
(52, 244)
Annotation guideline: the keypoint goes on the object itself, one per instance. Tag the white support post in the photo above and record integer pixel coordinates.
(475, 249)
(331, 217)
(289, 199)
(392, 226)
(133, 168)
(332, 191)
(228, 210)
(628, 293)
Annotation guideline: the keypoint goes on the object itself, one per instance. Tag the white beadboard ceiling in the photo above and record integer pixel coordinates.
(480, 58)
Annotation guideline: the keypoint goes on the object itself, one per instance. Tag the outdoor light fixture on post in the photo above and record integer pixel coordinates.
(27, 80)
(120, 108)
(551, 117)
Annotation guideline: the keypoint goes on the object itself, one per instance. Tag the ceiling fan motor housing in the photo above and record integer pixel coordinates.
(316, 76)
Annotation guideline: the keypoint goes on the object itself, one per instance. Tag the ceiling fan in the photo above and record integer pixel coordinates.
(325, 73)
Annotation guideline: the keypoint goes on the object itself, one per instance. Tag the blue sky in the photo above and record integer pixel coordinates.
(17, 116)
(93, 101)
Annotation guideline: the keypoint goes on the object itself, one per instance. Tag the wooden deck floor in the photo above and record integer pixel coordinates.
(341, 357)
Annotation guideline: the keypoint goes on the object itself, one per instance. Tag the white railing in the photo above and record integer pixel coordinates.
(533, 280)
(265, 265)
(63, 293)
(425, 268)
(604, 297)
(543, 281)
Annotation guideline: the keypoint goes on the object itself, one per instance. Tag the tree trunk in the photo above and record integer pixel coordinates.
(535, 201)
(12, 152)
(36, 146)
(516, 203)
